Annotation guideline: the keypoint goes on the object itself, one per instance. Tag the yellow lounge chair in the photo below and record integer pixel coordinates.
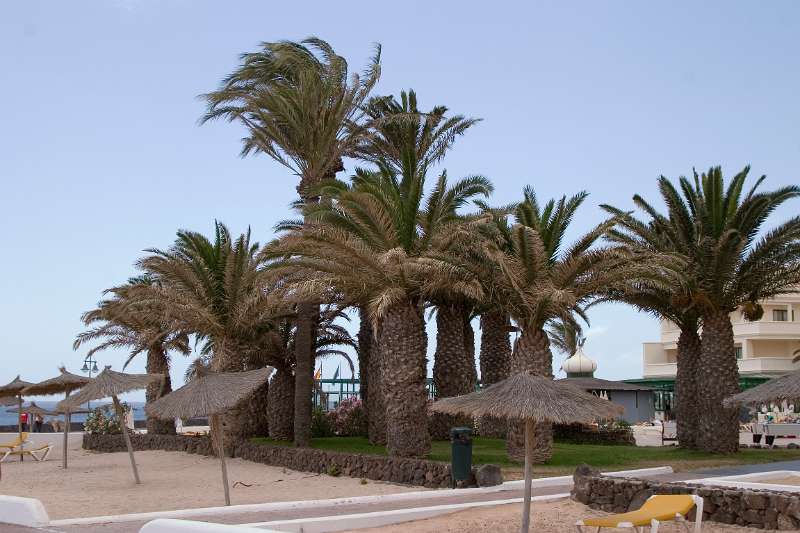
(16, 443)
(657, 509)
(44, 450)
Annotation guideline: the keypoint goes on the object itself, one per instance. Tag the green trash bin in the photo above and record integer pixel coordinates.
(461, 459)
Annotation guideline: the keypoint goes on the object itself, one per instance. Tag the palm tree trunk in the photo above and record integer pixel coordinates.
(307, 314)
(403, 342)
(365, 342)
(376, 401)
(717, 426)
(532, 355)
(689, 349)
(495, 361)
(453, 370)
(280, 407)
(157, 363)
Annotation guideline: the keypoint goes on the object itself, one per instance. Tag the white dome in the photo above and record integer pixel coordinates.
(579, 364)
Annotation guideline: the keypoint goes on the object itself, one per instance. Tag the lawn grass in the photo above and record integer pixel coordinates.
(567, 456)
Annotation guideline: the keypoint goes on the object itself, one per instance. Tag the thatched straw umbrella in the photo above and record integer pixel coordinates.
(32, 409)
(15, 389)
(111, 383)
(530, 399)
(65, 382)
(786, 387)
(210, 394)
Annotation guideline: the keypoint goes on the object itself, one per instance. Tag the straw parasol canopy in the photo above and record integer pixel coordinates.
(32, 409)
(530, 399)
(526, 397)
(15, 389)
(786, 387)
(210, 394)
(65, 383)
(111, 383)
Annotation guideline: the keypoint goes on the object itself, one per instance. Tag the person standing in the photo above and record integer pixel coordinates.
(37, 424)
(24, 418)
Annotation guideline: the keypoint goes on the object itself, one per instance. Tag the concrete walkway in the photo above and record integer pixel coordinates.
(290, 514)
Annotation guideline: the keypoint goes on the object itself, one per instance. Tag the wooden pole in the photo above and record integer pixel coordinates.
(526, 502)
(66, 435)
(121, 416)
(19, 426)
(216, 428)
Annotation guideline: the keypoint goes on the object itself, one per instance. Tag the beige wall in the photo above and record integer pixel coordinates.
(773, 348)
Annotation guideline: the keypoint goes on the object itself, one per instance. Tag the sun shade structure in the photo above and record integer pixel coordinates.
(786, 387)
(111, 383)
(530, 399)
(210, 394)
(32, 409)
(66, 383)
(15, 389)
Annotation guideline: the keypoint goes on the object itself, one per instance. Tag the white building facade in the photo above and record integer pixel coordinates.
(764, 348)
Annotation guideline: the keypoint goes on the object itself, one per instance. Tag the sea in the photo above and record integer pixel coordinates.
(10, 419)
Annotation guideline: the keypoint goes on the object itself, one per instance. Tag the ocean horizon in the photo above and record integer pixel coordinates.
(10, 419)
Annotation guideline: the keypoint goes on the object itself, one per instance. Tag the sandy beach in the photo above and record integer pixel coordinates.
(102, 484)
(550, 517)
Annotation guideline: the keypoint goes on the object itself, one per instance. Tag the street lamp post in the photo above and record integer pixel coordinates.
(89, 367)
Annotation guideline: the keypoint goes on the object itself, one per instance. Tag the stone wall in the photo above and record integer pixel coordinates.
(397, 470)
(761, 509)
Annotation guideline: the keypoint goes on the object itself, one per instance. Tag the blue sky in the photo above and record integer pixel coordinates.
(101, 155)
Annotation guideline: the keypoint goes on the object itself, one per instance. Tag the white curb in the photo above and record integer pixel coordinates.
(165, 525)
(23, 511)
(325, 524)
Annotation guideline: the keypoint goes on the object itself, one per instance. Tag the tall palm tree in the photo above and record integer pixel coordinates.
(666, 295)
(120, 322)
(536, 280)
(302, 108)
(716, 232)
(365, 245)
(214, 290)
(408, 141)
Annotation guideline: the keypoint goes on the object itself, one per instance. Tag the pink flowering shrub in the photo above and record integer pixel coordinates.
(349, 418)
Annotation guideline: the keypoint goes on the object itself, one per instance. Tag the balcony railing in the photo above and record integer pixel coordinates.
(750, 365)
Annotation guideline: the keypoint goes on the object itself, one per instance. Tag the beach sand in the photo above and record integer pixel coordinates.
(102, 483)
(547, 517)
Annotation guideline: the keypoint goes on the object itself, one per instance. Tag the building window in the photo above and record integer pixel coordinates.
(780, 315)
(738, 351)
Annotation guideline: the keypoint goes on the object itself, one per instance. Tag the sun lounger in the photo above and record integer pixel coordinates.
(38, 454)
(16, 443)
(657, 509)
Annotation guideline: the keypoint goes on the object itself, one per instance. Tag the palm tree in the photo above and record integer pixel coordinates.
(120, 322)
(715, 230)
(215, 291)
(528, 273)
(365, 246)
(666, 295)
(302, 108)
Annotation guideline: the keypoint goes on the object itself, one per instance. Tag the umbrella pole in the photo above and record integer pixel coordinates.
(121, 416)
(19, 426)
(66, 435)
(216, 428)
(526, 502)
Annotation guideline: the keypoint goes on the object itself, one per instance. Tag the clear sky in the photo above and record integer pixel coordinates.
(101, 155)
